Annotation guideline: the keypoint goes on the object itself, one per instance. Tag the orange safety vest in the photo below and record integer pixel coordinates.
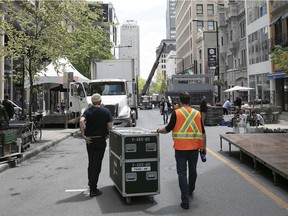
(187, 132)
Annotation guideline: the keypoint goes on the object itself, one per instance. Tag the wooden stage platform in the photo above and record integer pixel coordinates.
(270, 149)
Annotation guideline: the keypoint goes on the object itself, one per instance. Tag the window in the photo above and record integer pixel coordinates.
(199, 9)
(221, 7)
(210, 25)
(200, 54)
(242, 29)
(231, 35)
(210, 9)
(263, 10)
(199, 25)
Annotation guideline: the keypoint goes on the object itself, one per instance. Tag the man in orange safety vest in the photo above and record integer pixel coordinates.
(189, 137)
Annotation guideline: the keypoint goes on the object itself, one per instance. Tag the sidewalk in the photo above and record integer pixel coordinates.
(50, 137)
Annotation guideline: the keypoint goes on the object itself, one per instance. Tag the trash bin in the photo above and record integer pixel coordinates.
(134, 162)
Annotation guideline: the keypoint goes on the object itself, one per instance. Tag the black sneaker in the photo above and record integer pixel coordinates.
(95, 193)
(184, 205)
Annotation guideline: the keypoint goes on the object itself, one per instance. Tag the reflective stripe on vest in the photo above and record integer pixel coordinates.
(183, 132)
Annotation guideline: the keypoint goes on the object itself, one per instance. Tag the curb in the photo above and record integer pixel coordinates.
(44, 147)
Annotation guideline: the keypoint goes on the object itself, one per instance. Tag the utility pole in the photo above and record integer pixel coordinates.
(2, 64)
(217, 60)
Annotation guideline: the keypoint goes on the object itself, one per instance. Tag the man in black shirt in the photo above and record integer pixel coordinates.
(94, 125)
(9, 108)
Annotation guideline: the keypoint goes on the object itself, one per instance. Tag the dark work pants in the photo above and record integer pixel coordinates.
(182, 158)
(95, 151)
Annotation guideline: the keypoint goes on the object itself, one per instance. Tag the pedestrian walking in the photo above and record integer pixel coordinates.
(189, 136)
(9, 108)
(203, 109)
(165, 105)
(94, 125)
(226, 106)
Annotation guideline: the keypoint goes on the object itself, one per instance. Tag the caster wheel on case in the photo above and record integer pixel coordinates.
(151, 198)
(128, 200)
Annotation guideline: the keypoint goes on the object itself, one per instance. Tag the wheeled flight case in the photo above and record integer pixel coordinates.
(134, 162)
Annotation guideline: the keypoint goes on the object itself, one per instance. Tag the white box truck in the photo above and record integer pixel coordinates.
(116, 81)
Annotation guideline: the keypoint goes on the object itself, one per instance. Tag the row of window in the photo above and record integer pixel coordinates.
(210, 25)
(200, 8)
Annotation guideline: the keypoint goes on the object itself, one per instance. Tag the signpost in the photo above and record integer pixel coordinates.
(67, 78)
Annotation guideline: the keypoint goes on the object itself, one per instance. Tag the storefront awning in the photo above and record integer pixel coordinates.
(276, 76)
(275, 21)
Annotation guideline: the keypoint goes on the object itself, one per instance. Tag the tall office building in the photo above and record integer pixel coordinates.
(170, 20)
(193, 16)
(129, 47)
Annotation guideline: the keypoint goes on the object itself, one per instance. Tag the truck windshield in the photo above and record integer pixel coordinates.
(106, 88)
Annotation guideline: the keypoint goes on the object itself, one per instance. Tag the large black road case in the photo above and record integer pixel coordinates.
(134, 162)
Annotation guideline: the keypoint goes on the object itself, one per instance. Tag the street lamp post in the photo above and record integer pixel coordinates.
(119, 48)
(217, 60)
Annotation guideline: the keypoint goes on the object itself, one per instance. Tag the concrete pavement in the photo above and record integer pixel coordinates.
(51, 137)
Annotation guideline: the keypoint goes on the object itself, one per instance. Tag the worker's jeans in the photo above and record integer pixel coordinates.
(182, 157)
(95, 151)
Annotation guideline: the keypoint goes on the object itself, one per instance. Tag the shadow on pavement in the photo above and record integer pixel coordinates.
(112, 202)
(75, 198)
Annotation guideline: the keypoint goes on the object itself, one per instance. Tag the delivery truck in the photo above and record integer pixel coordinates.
(116, 81)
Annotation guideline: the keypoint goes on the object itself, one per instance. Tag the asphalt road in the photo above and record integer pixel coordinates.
(55, 183)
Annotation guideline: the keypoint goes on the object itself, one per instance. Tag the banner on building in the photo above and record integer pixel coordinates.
(212, 58)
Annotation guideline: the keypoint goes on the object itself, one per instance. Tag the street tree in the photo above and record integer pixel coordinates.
(141, 83)
(159, 85)
(279, 57)
(49, 30)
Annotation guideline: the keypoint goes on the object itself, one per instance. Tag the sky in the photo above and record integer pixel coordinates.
(151, 19)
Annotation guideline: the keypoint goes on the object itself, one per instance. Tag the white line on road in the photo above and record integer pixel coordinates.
(75, 190)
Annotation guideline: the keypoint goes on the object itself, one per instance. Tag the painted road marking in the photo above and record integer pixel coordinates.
(75, 190)
(277, 199)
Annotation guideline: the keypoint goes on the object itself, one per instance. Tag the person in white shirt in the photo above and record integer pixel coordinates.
(226, 106)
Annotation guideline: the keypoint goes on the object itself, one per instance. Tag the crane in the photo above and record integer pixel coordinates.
(152, 72)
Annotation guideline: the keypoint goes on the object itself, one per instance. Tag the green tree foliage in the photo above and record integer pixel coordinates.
(279, 57)
(159, 86)
(141, 83)
(51, 30)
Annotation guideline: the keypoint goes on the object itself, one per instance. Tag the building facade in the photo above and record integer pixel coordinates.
(258, 62)
(129, 47)
(170, 19)
(279, 36)
(192, 16)
(170, 46)
(233, 57)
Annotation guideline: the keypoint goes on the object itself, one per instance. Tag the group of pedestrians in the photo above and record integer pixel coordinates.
(188, 135)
